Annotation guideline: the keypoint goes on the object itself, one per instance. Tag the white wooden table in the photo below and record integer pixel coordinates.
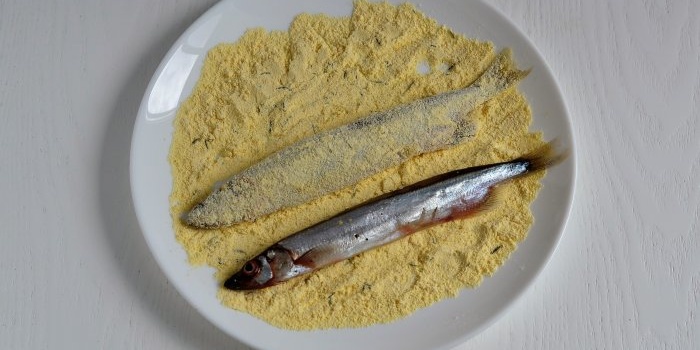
(75, 271)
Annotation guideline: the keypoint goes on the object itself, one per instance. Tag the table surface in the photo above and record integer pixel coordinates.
(76, 272)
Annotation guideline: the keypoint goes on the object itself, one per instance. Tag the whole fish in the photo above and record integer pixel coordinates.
(451, 196)
(344, 157)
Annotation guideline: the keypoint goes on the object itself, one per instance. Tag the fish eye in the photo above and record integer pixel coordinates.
(251, 267)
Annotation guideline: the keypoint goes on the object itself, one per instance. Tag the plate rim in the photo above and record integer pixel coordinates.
(487, 321)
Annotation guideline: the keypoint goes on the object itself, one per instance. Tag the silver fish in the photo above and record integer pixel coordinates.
(451, 196)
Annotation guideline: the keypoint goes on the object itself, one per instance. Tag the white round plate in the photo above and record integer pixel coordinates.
(442, 325)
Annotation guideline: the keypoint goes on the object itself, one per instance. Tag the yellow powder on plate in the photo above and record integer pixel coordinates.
(271, 89)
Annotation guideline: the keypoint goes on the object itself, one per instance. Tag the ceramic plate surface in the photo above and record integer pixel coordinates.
(442, 325)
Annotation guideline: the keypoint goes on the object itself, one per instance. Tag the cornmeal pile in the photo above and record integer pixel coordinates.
(271, 89)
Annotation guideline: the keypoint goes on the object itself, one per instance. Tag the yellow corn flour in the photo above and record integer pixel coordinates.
(270, 89)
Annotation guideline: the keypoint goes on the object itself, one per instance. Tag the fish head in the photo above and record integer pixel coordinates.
(273, 266)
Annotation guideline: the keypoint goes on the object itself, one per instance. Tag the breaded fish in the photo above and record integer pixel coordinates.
(342, 157)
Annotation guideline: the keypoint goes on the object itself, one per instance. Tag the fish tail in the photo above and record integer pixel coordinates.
(544, 157)
(502, 73)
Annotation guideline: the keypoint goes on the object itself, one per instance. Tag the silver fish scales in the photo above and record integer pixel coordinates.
(452, 196)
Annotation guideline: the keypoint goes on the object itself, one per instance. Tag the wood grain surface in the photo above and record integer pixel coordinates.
(76, 272)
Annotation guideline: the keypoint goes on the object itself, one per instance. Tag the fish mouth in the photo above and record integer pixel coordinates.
(242, 282)
(235, 282)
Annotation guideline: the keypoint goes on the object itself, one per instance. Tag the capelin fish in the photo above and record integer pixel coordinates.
(451, 196)
(287, 178)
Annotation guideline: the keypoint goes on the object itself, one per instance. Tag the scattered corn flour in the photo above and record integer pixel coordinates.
(325, 72)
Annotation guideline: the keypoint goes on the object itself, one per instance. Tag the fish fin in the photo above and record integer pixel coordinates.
(544, 157)
(502, 72)
(315, 257)
(493, 199)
